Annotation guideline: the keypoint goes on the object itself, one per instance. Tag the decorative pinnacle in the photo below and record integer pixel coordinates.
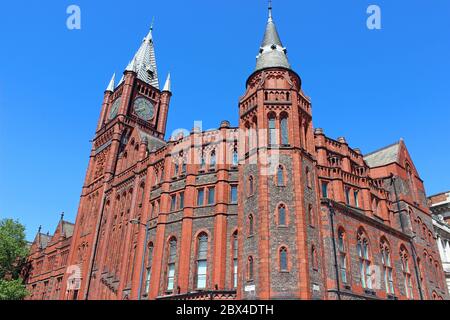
(270, 10)
(62, 215)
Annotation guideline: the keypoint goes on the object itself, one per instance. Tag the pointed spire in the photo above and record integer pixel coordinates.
(112, 84)
(144, 61)
(167, 85)
(271, 53)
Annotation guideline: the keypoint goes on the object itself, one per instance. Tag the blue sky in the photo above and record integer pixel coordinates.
(372, 87)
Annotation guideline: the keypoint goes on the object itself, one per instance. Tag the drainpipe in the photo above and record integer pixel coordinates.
(338, 285)
(413, 248)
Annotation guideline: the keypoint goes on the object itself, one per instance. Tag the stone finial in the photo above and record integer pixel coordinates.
(342, 140)
(318, 131)
(225, 124)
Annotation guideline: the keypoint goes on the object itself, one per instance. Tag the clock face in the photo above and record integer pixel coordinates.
(144, 108)
(115, 108)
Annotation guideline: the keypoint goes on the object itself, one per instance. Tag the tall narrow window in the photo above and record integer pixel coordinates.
(308, 178)
(280, 176)
(325, 189)
(355, 195)
(250, 269)
(364, 261)
(235, 160)
(200, 197)
(183, 167)
(315, 261)
(212, 162)
(149, 267)
(173, 202)
(235, 260)
(176, 168)
(250, 225)
(250, 186)
(233, 194)
(347, 195)
(272, 130)
(311, 216)
(342, 256)
(387, 267)
(181, 204)
(283, 259)
(171, 264)
(202, 162)
(211, 195)
(281, 215)
(284, 129)
(404, 256)
(202, 261)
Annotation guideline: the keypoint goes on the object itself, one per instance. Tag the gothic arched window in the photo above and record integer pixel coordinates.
(283, 259)
(149, 267)
(202, 260)
(342, 255)
(387, 266)
(404, 256)
(282, 221)
(364, 260)
(171, 264)
(280, 176)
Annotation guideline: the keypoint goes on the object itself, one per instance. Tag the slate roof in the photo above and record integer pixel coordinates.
(271, 53)
(383, 156)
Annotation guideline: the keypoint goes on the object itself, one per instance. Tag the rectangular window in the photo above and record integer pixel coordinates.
(343, 265)
(201, 274)
(211, 195)
(200, 197)
(171, 276)
(325, 189)
(234, 195)
(181, 204)
(173, 202)
(147, 280)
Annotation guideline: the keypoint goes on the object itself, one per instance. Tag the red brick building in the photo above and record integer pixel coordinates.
(272, 209)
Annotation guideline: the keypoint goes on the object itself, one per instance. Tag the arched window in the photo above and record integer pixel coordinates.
(250, 186)
(342, 255)
(235, 160)
(235, 259)
(250, 225)
(171, 264)
(283, 259)
(315, 261)
(272, 129)
(280, 176)
(364, 260)
(387, 266)
(282, 215)
(202, 260)
(149, 267)
(284, 129)
(212, 161)
(404, 256)
(250, 268)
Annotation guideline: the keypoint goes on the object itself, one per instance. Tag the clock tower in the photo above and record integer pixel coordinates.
(132, 124)
(137, 99)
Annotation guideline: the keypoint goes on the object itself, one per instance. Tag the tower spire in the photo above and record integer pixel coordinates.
(112, 83)
(144, 61)
(271, 53)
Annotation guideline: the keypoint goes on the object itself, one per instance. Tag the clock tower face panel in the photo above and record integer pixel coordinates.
(114, 108)
(144, 108)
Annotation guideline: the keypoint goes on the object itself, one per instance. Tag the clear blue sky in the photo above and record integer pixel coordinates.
(372, 87)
